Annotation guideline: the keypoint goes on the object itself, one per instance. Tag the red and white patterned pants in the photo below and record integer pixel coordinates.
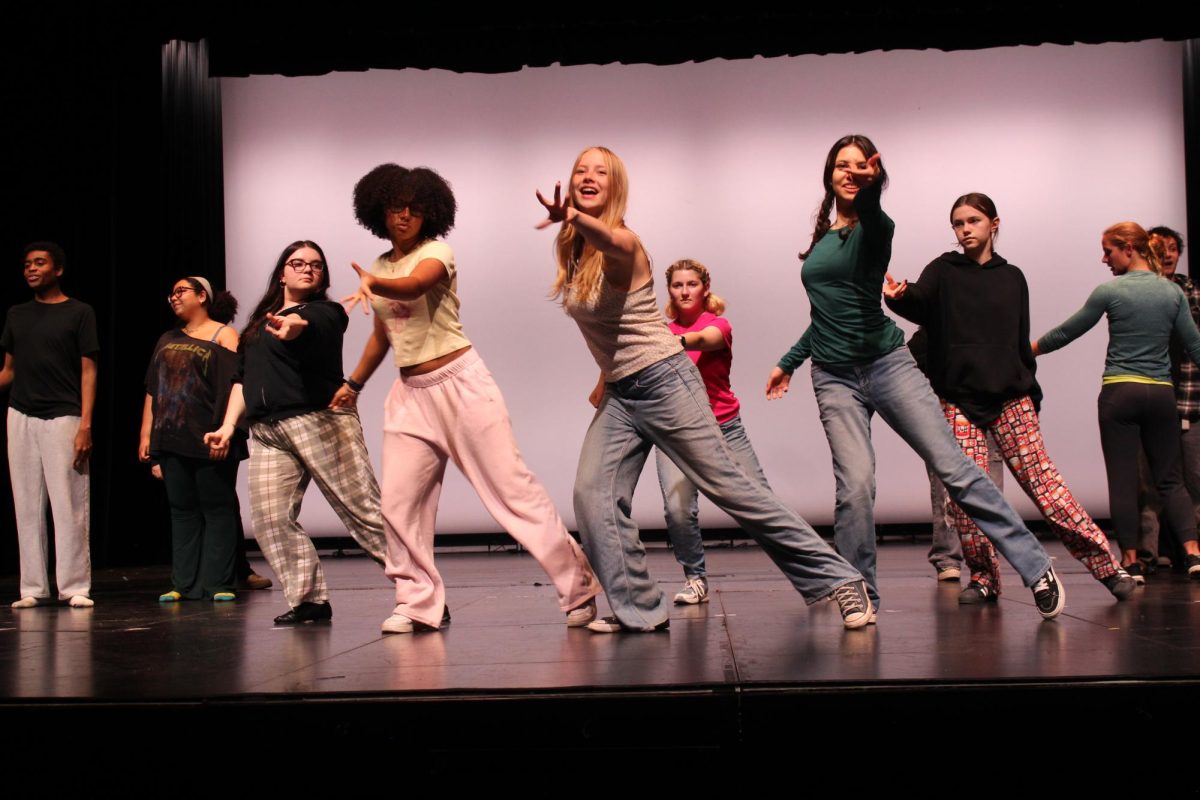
(1019, 436)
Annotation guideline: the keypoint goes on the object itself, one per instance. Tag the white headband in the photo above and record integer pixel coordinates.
(204, 283)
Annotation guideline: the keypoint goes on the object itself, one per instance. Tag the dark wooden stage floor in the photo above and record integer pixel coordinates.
(507, 676)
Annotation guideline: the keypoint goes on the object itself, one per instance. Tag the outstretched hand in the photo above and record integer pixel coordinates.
(286, 328)
(363, 294)
(893, 290)
(557, 209)
(777, 384)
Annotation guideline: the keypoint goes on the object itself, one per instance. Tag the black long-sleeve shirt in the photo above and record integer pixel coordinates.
(285, 379)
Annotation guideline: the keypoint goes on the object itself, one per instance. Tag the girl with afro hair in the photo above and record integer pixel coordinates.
(443, 405)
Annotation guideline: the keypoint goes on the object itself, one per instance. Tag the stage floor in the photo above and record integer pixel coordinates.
(751, 692)
(508, 637)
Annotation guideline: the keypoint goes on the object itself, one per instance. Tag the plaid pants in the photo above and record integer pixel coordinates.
(327, 446)
(1019, 436)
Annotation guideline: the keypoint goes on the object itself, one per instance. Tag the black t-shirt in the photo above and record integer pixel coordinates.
(285, 379)
(189, 380)
(48, 342)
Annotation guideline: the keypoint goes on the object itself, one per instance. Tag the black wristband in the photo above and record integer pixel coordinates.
(354, 385)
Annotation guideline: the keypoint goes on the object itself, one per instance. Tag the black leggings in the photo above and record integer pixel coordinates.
(1143, 413)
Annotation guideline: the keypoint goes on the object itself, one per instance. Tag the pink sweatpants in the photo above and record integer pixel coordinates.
(457, 412)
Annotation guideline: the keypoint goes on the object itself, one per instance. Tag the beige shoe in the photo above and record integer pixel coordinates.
(581, 615)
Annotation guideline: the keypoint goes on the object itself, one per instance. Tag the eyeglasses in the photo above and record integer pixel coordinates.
(413, 210)
(178, 292)
(302, 266)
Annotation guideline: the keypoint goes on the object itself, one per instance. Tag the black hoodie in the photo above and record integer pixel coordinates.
(977, 322)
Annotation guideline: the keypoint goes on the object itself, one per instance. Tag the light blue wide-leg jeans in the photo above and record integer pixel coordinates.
(681, 508)
(893, 386)
(665, 406)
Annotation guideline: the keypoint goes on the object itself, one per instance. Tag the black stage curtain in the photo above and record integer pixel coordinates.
(506, 39)
(1191, 144)
(82, 169)
(192, 189)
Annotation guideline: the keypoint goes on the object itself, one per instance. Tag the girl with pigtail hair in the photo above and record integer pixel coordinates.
(1137, 396)
(861, 367)
(695, 317)
(974, 309)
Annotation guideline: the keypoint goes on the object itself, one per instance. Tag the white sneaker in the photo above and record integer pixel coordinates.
(693, 592)
(25, 602)
(397, 623)
(82, 601)
(581, 615)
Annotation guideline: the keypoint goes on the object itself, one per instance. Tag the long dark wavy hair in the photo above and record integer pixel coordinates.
(272, 299)
(823, 220)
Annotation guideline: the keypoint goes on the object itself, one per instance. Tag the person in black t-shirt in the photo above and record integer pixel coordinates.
(187, 388)
(50, 346)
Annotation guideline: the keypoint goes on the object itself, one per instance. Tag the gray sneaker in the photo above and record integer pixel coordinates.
(854, 604)
(693, 592)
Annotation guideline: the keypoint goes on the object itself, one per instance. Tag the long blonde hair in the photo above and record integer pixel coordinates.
(580, 267)
(712, 303)
(1135, 236)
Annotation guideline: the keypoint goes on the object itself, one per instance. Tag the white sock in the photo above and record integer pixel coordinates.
(81, 601)
(25, 602)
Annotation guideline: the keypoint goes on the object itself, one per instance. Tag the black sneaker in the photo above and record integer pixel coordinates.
(1121, 584)
(977, 594)
(1137, 571)
(1049, 595)
(1192, 564)
(854, 603)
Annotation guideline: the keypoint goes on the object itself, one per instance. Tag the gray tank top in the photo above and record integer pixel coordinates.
(624, 330)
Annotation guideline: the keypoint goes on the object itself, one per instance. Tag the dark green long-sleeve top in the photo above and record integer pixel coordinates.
(844, 277)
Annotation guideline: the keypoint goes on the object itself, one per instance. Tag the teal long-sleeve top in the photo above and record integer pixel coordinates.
(843, 276)
(1143, 311)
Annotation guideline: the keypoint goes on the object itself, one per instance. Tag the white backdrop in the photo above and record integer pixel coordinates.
(725, 165)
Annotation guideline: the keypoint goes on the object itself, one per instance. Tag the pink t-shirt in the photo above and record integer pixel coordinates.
(714, 365)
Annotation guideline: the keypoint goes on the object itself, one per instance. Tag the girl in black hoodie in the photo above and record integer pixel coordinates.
(974, 306)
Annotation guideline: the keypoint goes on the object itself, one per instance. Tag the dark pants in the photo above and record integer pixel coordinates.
(204, 524)
(1133, 413)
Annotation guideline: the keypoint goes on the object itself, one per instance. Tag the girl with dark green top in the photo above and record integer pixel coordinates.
(861, 366)
(1137, 398)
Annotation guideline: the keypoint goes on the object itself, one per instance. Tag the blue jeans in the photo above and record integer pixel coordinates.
(892, 385)
(665, 406)
(681, 498)
(946, 550)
